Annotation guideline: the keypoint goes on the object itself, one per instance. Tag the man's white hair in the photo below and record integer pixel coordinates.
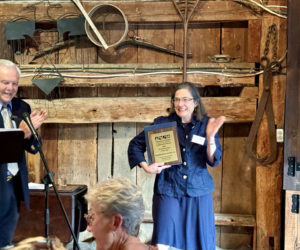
(7, 63)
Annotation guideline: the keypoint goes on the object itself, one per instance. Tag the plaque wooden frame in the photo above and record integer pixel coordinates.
(166, 133)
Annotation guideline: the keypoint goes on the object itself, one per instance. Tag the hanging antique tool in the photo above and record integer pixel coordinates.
(91, 24)
(265, 104)
(112, 23)
(185, 8)
(222, 58)
(135, 40)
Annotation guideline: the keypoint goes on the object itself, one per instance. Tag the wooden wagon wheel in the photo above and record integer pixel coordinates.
(185, 8)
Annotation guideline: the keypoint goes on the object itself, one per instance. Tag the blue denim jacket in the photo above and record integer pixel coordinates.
(190, 178)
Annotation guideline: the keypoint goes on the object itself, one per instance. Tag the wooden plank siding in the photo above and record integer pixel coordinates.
(135, 11)
(238, 182)
(92, 118)
(237, 176)
(77, 156)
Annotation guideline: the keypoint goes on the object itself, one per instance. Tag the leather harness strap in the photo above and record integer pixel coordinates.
(265, 105)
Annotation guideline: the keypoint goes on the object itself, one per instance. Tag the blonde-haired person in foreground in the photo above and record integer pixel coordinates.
(38, 243)
(115, 215)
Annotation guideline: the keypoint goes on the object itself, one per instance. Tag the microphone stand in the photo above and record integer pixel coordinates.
(48, 179)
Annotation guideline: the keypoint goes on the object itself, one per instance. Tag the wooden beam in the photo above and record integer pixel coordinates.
(164, 80)
(269, 178)
(126, 75)
(241, 220)
(292, 123)
(145, 11)
(292, 126)
(136, 109)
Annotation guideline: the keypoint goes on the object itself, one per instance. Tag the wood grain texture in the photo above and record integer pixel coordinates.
(217, 176)
(123, 54)
(77, 154)
(238, 183)
(5, 52)
(158, 34)
(234, 40)
(145, 180)
(105, 147)
(49, 133)
(223, 219)
(292, 124)
(254, 35)
(292, 221)
(203, 41)
(136, 11)
(136, 109)
(123, 133)
(154, 75)
(269, 179)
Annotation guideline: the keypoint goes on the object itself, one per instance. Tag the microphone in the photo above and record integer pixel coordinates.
(14, 118)
(27, 119)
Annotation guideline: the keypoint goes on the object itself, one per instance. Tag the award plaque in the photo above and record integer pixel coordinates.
(162, 143)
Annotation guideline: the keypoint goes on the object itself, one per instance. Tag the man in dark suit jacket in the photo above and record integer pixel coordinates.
(14, 187)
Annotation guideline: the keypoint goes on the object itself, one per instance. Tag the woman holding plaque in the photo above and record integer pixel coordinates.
(182, 202)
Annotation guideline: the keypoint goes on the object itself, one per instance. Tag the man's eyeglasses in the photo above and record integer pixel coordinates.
(184, 100)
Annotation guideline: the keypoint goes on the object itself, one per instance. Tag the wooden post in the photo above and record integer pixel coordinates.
(269, 178)
(292, 132)
(5, 52)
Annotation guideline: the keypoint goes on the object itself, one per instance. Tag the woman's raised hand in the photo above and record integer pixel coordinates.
(214, 125)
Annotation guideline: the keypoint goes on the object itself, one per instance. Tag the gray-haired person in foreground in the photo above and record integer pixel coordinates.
(115, 215)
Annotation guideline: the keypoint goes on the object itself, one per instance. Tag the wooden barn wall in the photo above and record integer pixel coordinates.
(89, 152)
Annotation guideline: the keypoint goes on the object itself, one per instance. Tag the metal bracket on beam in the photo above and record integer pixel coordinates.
(293, 166)
(295, 203)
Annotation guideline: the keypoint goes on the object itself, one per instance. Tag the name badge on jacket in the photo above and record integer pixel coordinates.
(198, 139)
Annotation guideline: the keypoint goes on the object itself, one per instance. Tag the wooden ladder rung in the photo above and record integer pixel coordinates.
(238, 220)
(241, 220)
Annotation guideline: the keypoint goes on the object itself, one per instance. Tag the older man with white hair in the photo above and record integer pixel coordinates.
(14, 176)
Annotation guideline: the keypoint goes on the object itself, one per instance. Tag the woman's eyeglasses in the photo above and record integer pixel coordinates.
(90, 217)
(184, 100)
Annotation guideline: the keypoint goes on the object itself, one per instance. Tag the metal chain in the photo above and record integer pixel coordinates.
(265, 61)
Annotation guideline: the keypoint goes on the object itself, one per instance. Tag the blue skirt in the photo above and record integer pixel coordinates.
(185, 222)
